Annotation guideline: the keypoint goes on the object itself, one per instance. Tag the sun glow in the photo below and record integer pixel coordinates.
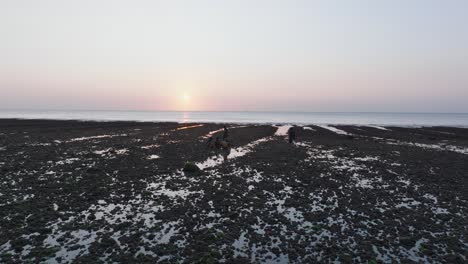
(184, 101)
(185, 94)
(185, 97)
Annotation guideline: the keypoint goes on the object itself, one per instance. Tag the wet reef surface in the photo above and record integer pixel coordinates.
(74, 191)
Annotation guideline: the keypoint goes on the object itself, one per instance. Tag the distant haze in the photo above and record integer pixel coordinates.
(238, 55)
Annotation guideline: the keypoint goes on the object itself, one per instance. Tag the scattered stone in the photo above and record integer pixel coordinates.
(324, 199)
(191, 167)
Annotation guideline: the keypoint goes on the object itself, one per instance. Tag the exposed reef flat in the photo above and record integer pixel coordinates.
(74, 191)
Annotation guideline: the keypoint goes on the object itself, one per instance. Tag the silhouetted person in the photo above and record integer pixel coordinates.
(217, 143)
(226, 150)
(226, 133)
(292, 135)
(209, 142)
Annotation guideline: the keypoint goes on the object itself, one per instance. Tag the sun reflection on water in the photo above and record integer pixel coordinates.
(185, 117)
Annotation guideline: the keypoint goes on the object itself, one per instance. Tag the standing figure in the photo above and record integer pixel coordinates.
(209, 143)
(225, 133)
(291, 135)
(217, 143)
(226, 150)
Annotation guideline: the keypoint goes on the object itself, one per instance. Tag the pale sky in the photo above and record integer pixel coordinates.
(241, 55)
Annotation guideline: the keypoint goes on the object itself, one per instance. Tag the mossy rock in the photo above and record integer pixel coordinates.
(191, 167)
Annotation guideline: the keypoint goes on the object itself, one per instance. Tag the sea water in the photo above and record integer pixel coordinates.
(391, 119)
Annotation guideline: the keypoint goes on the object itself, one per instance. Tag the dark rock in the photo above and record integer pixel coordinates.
(191, 167)
(91, 217)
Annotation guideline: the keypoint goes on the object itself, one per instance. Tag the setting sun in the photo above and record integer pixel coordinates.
(184, 101)
(185, 97)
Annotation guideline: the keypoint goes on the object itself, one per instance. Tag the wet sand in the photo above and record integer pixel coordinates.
(115, 192)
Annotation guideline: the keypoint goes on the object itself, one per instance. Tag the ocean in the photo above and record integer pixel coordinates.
(389, 119)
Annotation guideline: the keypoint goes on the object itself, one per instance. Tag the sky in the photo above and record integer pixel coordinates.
(235, 55)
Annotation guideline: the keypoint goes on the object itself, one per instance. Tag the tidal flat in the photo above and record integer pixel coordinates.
(105, 192)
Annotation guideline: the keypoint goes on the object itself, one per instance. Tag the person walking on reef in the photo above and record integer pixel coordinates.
(291, 135)
(225, 133)
(209, 143)
(226, 150)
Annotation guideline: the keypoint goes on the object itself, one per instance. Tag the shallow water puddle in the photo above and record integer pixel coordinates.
(241, 245)
(188, 127)
(440, 147)
(378, 127)
(67, 161)
(151, 146)
(74, 243)
(211, 133)
(121, 151)
(283, 130)
(39, 144)
(109, 151)
(102, 152)
(235, 153)
(308, 128)
(334, 129)
(95, 137)
(362, 175)
(82, 238)
(153, 157)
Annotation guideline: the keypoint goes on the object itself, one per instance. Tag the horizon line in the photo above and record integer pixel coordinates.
(230, 111)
